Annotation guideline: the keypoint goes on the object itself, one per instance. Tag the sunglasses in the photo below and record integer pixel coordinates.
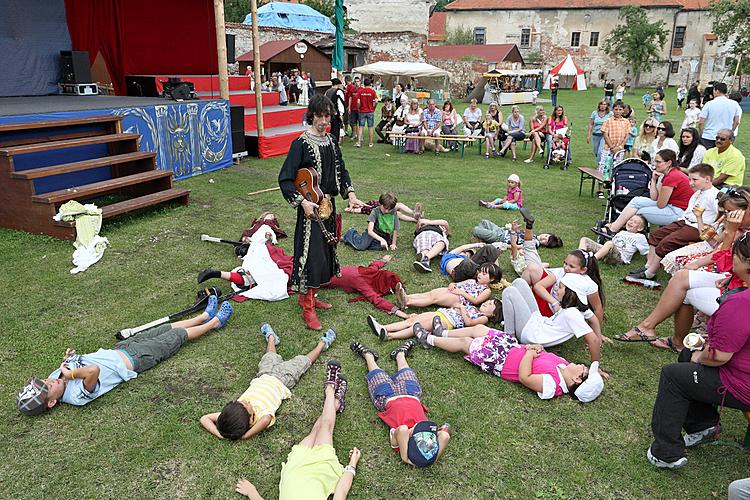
(720, 138)
(648, 126)
(661, 128)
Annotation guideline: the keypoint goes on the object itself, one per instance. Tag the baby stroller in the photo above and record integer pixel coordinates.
(629, 179)
(558, 155)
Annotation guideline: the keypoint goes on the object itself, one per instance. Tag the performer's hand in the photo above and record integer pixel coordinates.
(354, 202)
(309, 207)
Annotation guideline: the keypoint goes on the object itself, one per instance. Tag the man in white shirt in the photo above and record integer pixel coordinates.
(719, 113)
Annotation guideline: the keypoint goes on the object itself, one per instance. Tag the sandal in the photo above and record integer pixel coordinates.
(437, 327)
(638, 337)
(421, 334)
(340, 393)
(406, 348)
(666, 343)
(360, 349)
(604, 232)
(333, 372)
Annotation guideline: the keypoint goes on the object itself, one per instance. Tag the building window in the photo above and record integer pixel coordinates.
(526, 37)
(575, 39)
(479, 36)
(679, 37)
(674, 67)
(594, 39)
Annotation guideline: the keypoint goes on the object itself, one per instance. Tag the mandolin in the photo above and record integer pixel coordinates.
(308, 185)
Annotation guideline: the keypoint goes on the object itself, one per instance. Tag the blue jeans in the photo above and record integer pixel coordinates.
(597, 144)
(360, 241)
(653, 214)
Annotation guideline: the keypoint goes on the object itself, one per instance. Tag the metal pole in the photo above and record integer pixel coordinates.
(256, 68)
(221, 48)
(736, 70)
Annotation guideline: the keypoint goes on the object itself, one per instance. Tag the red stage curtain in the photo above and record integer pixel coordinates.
(145, 37)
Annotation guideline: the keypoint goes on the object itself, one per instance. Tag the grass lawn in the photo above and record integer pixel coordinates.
(143, 439)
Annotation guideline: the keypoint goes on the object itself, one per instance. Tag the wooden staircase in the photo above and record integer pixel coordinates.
(35, 178)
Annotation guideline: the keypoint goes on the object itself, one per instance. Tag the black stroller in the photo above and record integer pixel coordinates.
(630, 178)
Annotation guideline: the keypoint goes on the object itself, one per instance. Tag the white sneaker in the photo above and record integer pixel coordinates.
(701, 437)
(682, 461)
(376, 327)
(528, 160)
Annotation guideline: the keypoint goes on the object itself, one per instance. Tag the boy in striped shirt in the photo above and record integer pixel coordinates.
(255, 409)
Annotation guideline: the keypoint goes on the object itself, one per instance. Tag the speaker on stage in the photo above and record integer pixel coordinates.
(237, 117)
(75, 66)
(230, 49)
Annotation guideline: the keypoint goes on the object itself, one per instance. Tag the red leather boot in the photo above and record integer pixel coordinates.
(319, 304)
(307, 301)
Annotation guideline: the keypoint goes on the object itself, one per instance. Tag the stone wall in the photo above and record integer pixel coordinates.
(388, 16)
(461, 73)
(552, 30)
(395, 46)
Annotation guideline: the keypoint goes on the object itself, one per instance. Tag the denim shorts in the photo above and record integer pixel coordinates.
(366, 117)
(353, 117)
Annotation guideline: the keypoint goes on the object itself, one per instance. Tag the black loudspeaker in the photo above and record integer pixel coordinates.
(230, 49)
(75, 66)
(237, 118)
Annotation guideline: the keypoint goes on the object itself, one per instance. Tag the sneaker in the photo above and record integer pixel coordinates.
(340, 393)
(437, 327)
(406, 348)
(370, 145)
(225, 312)
(680, 462)
(528, 217)
(376, 328)
(358, 145)
(486, 156)
(633, 272)
(328, 338)
(267, 331)
(702, 437)
(333, 371)
(421, 334)
(483, 203)
(641, 275)
(422, 266)
(212, 307)
(600, 195)
(528, 160)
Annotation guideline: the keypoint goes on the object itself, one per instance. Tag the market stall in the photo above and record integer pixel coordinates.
(509, 86)
(428, 81)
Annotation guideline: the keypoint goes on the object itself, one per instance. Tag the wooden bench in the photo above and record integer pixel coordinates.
(589, 173)
(401, 139)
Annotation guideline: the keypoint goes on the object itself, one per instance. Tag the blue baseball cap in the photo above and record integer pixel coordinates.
(423, 444)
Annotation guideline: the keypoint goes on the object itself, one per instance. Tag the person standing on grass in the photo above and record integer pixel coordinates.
(681, 95)
(398, 399)
(352, 104)
(609, 91)
(82, 378)
(255, 410)
(312, 469)
(620, 92)
(337, 97)
(594, 132)
(367, 99)
(554, 87)
(615, 133)
(315, 260)
(720, 113)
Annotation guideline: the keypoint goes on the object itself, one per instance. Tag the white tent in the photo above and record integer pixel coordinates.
(407, 69)
(569, 75)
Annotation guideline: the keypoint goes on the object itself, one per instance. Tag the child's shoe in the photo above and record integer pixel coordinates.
(422, 265)
(333, 371)
(406, 348)
(376, 328)
(267, 331)
(207, 274)
(225, 312)
(528, 217)
(486, 156)
(437, 327)
(340, 393)
(484, 204)
(360, 349)
(421, 334)
(212, 307)
(328, 338)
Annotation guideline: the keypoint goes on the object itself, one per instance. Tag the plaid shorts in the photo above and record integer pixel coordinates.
(428, 239)
(383, 387)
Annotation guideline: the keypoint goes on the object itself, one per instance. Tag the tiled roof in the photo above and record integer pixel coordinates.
(490, 53)
(567, 4)
(269, 49)
(437, 26)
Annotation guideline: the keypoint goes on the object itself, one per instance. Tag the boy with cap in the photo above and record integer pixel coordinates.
(82, 378)
(417, 440)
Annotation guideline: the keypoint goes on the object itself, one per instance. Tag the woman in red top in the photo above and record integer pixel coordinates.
(669, 194)
(557, 121)
(690, 289)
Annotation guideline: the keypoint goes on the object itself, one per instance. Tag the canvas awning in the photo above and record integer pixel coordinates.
(390, 68)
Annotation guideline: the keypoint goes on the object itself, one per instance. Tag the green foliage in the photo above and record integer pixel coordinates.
(236, 10)
(459, 35)
(636, 40)
(533, 57)
(440, 5)
(732, 23)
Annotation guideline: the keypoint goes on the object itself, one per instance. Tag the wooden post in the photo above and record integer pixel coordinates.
(221, 48)
(256, 69)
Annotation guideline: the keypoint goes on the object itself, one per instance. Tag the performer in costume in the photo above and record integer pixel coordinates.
(315, 261)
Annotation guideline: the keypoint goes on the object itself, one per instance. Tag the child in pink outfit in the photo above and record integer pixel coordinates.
(513, 199)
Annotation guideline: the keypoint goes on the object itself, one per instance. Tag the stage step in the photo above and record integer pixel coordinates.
(173, 194)
(88, 191)
(18, 134)
(79, 166)
(244, 98)
(275, 141)
(274, 116)
(69, 143)
(67, 122)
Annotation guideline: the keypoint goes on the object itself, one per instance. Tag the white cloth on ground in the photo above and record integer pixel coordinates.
(271, 282)
(259, 236)
(89, 246)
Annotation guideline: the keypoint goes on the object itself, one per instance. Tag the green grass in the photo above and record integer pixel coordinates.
(143, 440)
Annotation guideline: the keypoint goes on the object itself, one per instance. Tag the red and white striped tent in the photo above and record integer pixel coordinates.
(569, 75)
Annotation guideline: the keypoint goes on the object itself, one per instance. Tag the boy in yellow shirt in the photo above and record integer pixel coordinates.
(255, 409)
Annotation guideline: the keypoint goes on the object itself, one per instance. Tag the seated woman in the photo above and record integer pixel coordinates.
(413, 120)
(669, 195)
(312, 469)
(537, 133)
(450, 122)
(469, 292)
(498, 353)
(691, 289)
(516, 131)
(448, 318)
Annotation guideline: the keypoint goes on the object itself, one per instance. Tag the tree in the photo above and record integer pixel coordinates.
(236, 10)
(636, 40)
(732, 24)
(440, 5)
(459, 35)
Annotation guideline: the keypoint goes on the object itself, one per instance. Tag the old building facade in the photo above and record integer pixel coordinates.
(547, 33)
